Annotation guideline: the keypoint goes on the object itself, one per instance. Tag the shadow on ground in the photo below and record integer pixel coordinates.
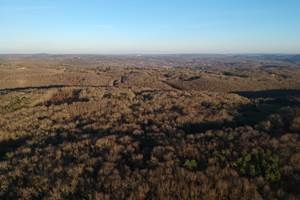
(269, 94)
(263, 105)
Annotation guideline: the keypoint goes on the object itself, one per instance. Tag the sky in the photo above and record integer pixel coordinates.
(149, 26)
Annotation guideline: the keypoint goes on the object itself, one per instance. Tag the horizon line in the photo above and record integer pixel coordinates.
(250, 53)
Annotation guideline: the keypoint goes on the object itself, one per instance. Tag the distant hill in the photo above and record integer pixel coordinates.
(294, 59)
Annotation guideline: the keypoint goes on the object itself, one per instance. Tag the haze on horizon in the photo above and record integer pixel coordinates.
(149, 26)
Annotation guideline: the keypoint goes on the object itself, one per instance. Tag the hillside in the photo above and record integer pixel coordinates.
(87, 127)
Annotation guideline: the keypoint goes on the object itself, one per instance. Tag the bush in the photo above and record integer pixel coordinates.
(261, 163)
(63, 96)
(15, 104)
(295, 125)
(8, 155)
(190, 164)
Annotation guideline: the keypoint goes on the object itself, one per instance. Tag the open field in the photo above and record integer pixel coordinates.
(149, 127)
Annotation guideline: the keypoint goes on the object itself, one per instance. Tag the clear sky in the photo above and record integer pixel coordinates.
(149, 26)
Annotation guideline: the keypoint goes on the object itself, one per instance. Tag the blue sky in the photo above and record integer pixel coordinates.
(149, 26)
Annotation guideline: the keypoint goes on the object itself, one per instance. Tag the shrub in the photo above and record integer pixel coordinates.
(190, 164)
(15, 104)
(261, 163)
(65, 96)
(214, 105)
(295, 125)
(223, 155)
(8, 155)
